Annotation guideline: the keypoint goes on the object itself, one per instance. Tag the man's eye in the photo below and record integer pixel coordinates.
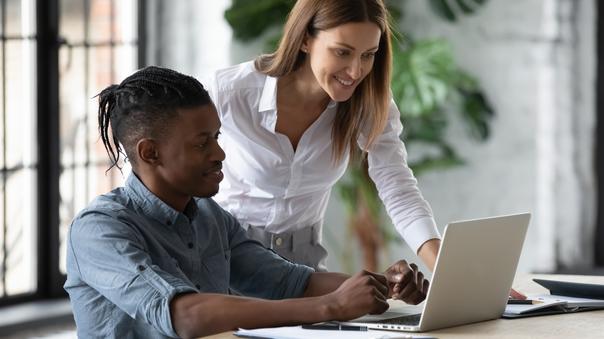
(217, 135)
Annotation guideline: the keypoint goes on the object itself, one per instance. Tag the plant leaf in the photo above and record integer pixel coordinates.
(249, 19)
(421, 76)
(452, 10)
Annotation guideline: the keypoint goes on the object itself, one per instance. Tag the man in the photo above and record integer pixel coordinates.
(158, 258)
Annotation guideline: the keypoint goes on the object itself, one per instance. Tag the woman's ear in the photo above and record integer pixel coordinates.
(147, 151)
(304, 47)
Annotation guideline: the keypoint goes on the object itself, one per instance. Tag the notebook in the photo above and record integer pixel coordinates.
(564, 297)
(472, 278)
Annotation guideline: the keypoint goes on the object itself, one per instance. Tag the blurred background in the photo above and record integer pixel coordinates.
(499, 99)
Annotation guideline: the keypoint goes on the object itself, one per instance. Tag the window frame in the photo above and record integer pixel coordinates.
(49, 278)
(599, 138)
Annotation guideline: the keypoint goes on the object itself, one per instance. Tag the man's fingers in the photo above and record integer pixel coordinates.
(415, 298)
(379, 282)
(395, 272)
(408, 290)
(419, 279)
(380, 306)
(379, 277)
(426, 286)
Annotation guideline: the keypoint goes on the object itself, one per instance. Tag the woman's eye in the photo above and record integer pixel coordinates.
(369, 55)
(341, 52)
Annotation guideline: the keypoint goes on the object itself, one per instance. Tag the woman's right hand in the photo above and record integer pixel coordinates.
(363, 293)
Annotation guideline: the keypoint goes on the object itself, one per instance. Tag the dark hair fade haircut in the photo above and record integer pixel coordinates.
(141, 105)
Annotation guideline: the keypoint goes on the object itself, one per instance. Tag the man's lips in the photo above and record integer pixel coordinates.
(215, 173)
(214, 169)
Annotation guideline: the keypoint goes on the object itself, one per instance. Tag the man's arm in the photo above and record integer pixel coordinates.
(331, 296)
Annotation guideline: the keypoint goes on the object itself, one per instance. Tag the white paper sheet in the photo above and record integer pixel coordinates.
(297, 332)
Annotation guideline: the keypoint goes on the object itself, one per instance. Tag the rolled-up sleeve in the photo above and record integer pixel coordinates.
(397, 187)
(109, 256)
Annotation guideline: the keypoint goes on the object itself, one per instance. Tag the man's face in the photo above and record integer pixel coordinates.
(190, 157)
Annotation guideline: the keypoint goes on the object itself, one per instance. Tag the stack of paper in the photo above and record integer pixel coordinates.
(564, 297)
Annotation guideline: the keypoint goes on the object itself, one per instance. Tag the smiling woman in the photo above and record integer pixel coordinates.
(292, 118)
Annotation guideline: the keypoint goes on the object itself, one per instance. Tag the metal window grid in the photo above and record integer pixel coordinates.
(48, 44)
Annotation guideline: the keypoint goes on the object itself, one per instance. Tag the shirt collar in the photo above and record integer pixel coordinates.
(153, 206)
(268, 98)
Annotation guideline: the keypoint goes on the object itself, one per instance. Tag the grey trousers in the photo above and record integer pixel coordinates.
(301, 246)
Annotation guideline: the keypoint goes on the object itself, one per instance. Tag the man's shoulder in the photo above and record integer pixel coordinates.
(115, 205)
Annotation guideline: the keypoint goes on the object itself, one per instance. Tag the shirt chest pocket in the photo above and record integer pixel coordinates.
(217, 271)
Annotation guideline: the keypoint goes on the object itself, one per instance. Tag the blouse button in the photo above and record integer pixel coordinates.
(279, 241)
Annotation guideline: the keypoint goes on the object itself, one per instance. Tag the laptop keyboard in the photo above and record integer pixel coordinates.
(411, 320)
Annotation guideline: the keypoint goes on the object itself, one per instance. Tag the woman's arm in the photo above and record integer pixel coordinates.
(428, 252)
(201, 314)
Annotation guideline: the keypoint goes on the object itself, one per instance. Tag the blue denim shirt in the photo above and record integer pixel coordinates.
(129, 254)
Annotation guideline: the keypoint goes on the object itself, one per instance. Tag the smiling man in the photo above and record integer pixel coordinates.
(158, 258)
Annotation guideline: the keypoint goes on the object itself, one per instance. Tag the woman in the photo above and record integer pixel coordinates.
(292, 118)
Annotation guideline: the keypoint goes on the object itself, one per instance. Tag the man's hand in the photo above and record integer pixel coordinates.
(364, 292)
(407, 283)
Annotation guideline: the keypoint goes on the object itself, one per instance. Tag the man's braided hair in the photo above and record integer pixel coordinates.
(142, 106)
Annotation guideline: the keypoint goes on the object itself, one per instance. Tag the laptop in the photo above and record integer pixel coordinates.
(472, 277)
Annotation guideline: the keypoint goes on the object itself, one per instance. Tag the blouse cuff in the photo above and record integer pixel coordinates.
(418, 232)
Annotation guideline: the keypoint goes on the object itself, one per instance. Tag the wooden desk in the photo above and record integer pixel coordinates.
(574, 325)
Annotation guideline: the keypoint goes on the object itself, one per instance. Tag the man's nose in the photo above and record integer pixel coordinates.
(218, 153)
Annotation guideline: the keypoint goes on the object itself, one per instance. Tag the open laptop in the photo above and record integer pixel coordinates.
(472, 278)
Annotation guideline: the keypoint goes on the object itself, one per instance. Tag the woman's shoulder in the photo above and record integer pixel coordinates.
(237, 77)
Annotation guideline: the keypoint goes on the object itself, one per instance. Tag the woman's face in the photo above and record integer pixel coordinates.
(341, 57)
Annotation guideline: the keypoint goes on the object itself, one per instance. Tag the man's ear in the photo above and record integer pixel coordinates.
(147, 151)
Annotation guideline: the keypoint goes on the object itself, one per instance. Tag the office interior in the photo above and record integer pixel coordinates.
(536, 63)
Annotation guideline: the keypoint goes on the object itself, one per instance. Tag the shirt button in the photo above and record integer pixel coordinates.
(141, 268)
(168, 222)
(279, 241)
(198, 287)
(190, 245)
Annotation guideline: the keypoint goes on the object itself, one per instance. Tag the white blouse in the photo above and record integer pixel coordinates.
(269, 185)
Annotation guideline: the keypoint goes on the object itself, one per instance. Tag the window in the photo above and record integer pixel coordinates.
(18, 148)
(98, 48)
(55, 56)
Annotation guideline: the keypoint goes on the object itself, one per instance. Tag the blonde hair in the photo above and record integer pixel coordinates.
(369, 102)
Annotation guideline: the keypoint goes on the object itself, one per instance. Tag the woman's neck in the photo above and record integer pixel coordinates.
(300, 89)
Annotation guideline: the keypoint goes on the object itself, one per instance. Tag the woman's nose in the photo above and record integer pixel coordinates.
(355, 69)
